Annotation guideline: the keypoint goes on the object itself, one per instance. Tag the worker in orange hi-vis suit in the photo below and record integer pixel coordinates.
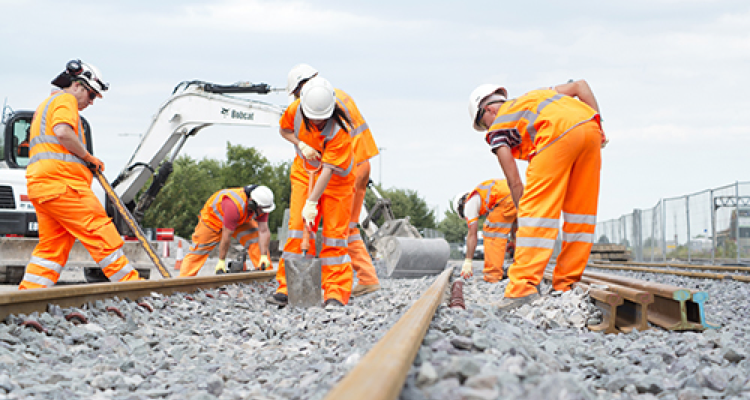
(492, 199)
(364, 148)
(59, 184)
(240, 213)
(558, 131)
(317, 126)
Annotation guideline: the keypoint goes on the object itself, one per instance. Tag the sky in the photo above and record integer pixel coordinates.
(671, 78)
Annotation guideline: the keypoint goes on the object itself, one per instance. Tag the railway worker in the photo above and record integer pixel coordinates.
(318, 127)
(240, 213)
(492, 199)
(59, 184)
(364, 148)
(558, 131)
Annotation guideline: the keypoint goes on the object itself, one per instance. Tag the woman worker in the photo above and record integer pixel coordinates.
(318, 127)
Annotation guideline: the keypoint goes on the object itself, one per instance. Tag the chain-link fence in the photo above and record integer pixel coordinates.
(709, 226)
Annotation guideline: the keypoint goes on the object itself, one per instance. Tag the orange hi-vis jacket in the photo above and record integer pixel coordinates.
(537, 119)
(363, 144)
(492, 192)
(212, 214)
(52, 168)
(332, 142)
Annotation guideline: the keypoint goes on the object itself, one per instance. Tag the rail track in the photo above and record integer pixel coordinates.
(626, 303)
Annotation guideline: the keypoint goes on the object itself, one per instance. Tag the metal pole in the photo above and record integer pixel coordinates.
(653, 233)
(687, 211)
(713, 228)
(664, 230)
(737, 218)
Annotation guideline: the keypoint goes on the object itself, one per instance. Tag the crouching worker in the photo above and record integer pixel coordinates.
(240, 213)
(490, 197)
(59, 184)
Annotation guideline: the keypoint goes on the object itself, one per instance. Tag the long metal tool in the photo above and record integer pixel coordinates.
(132, 224)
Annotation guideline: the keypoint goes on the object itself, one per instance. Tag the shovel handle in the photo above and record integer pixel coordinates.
(306, 231)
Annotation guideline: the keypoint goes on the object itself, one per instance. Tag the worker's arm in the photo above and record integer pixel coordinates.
(67, 137)
(320, 184)
(226, 240)
(510, 169)
(289, 136)
(264, 234)
(581, 90)
(471, 239)
(307, 151)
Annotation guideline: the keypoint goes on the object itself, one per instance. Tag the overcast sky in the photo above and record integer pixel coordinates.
(671, 77)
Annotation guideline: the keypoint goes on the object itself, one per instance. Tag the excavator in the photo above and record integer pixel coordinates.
(192, 106)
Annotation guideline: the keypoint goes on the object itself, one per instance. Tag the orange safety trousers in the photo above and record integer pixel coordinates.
(75, 214)
(206, 239)
(334, 207)
(361, 260)
(564, 177)
(496, 232)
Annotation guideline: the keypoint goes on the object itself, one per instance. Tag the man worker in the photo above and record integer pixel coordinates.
(490, 198)
(59, 184)
(364, 148)
(240, 213)
(558, 131)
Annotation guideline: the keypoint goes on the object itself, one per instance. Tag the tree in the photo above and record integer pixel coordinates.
(453, 227)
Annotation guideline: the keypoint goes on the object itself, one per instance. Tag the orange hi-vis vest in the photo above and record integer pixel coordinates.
(492, 192)
(52, 167)
(539, 118)
(363, 144)
(212, 214)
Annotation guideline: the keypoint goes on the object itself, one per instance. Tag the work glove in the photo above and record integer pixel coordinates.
(221, 267)
(309, 212)
(308, 152)
(265, 263)
(95, 162)
(605, 140)
(466, 271)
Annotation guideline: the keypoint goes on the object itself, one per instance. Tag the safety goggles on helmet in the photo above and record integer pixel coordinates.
(92, 93)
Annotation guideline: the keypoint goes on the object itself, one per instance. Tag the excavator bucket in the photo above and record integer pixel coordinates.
(408, 257)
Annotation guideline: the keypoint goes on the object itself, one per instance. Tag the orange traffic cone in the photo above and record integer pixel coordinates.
(179, 255)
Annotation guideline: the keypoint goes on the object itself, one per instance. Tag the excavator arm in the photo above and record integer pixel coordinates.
(194, 105)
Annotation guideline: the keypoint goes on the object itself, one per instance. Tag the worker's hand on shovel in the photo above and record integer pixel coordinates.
(264, 263)
(466, 271)
(94, 163)
(307, 151)
(309, 212)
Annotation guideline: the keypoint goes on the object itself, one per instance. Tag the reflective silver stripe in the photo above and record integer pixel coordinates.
(357, 130)
(200, 252)
(580, 218)
(495, 235)
(529, 115)
(43, 262)
(538, 222)
(335, 260)
(334, 242)
(232, 194)
(251, 241)
(340, 171)
(578, 237)
(56, 156)
(242, 235)
(39, 280)
(489, 224)
(488, 188)
(295, 234)
(119, 275)
(106, 261)
(43, 122)
(535, 242)
(206, 245)
(355, 238)
(288, 255)
(44, 139)
(352, 224)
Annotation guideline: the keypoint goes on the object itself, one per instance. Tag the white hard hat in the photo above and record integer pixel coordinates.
(298, 74)
(458, 203)
(263, 197)
(93, 78)
(318, 98)
(479, 94)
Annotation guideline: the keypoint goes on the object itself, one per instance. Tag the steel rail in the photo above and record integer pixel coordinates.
(677, 265)
(37, 300)
(381, 374)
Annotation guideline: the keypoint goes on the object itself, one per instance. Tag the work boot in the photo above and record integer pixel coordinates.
(360, 289)
(279, 299)
(330, 303)
(511, 303)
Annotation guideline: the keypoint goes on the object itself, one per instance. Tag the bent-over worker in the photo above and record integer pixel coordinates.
(59, 184)
(240, 213)
(490, 198)
(318, 121)
(364, 148)
(558, 131)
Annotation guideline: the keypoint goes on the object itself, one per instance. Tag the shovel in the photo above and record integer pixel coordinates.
(303, 277)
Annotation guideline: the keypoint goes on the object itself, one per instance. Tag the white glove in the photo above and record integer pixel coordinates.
(466, 271)
(309, 212)
(308, 152)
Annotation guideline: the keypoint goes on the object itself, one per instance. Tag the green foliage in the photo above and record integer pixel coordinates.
(453, 227)
(404, 202)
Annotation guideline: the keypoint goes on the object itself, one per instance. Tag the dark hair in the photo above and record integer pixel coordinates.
(339, 115)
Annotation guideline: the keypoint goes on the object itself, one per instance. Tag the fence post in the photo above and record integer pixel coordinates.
(637, 236)
(713, 228)
(737, 218)
(687, 211)
(664, 230)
